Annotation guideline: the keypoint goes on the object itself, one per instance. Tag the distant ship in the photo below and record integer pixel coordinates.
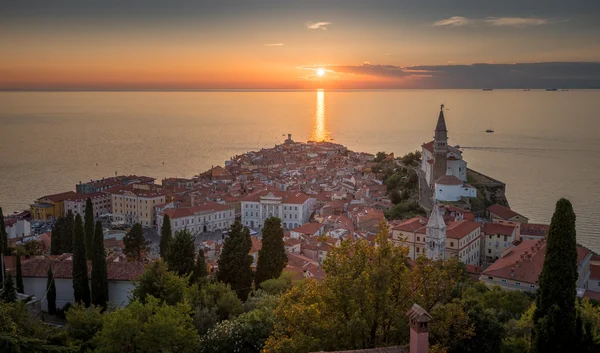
(489, 131)
(487, 89)
(551, 89)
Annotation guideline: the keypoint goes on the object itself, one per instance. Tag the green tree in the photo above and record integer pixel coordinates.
(379, 157)
(51, 292)
(271, 257)
(135, 243)
(55, 237)
(66, 236)
(81, 289)
(83, 324)
(555, 316)
(151, 327)
(182, 251)
(200, 269)
(3, 235)
(158, 282)
(277, 286)
(10, 293)
(99, 269)
(212, 303)
(395, 197)
(235, 262)
(89, 228)
(165, 236)
(20, 287)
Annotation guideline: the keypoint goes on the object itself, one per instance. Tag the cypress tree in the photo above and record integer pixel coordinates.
(10, 294)
(554, 318)
(135, 243)
(3, 235)
(66, 236)
(20, 288)
(271, 257)
(55, 238)
(81, 289)
(51, 292)
(89, 228)
(99, 270)
(165, 236)
(235, 262)
(200, 269)
(180, 258)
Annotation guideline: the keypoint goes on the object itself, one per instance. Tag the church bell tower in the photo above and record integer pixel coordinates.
(435, 237)
(440, 148)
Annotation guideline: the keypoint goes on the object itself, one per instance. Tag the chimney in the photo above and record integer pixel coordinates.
(419, 329)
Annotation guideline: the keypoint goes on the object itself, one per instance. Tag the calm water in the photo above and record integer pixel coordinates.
(546, 144)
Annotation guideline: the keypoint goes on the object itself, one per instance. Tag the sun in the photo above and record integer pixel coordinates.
(320, 72)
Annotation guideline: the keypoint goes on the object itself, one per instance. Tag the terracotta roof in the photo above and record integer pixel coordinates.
(122, 190)
(495, 228)
(534, 229)
(524, 262)
(62, 266)
(448, 180)
(460, 229)
(84, 197)
(287, 197)
(416, 224)
(594, 271)
(501, 211)
(59, 197)
(190, 211)
(256, 244)
(308, 228)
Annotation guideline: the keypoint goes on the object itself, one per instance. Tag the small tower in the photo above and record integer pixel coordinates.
(435, 237)
(440, 148)
(419, 329)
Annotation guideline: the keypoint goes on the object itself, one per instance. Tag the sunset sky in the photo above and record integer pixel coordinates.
(185, 44)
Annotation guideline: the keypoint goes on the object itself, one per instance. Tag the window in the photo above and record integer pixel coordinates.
(503, 281)
(489, 251)
(518, 283)
(532, 285)
(418, 239)
(418, 250)
(505, 238)
(451, 243)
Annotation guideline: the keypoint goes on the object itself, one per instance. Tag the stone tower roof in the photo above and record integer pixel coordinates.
(436, 220)
(441, 123)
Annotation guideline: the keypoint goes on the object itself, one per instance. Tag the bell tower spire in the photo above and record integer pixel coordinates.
(440, 148)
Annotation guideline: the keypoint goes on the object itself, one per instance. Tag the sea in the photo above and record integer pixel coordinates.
(545, 145)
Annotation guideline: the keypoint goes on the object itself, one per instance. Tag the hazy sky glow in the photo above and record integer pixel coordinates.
(185, 44)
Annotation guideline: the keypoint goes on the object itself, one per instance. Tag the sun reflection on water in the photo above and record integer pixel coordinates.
(319, 132)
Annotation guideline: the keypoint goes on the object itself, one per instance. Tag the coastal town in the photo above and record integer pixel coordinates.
(430, 202)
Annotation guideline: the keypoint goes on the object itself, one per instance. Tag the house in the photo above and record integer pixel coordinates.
(256, 246)
(135, 203)
(496, 239)
(463, 241)
(17, 228)
(206, 217)
(450, 188)
(504, 213)
(94, 186)
(307, 230)
(50, 207)
(101, 203)
(593, 286)
(121, 278)
(292, 245)
(411, 234)
(533, 231)
(520, 267)
(293, 208)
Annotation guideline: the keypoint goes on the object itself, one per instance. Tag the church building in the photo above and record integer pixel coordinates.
(439, 159)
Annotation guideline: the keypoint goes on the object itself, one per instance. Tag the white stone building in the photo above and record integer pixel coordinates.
(497, 238)
(435, 236)
(100, 201)
(207, 217)
(17, 229)
(450, 188)
(293, 208)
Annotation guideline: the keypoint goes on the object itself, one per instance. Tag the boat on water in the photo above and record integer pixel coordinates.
(551, 89)
(487, 89)
(489, 131)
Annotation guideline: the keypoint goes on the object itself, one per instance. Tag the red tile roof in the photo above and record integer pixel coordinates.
(60, 197)
(308, 228)
(534, 229)
(190, 211)
(503, 212)
(595, 272)
(448, 180)
(501, 229)
(460, 229)
(524, 262)
(416, 224)
(288, 197)
(62, 266)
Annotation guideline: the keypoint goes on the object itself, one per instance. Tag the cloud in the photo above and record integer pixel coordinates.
(454, 21)
(317, 25)
(274, 45)
(481, 75)
(518, 22)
